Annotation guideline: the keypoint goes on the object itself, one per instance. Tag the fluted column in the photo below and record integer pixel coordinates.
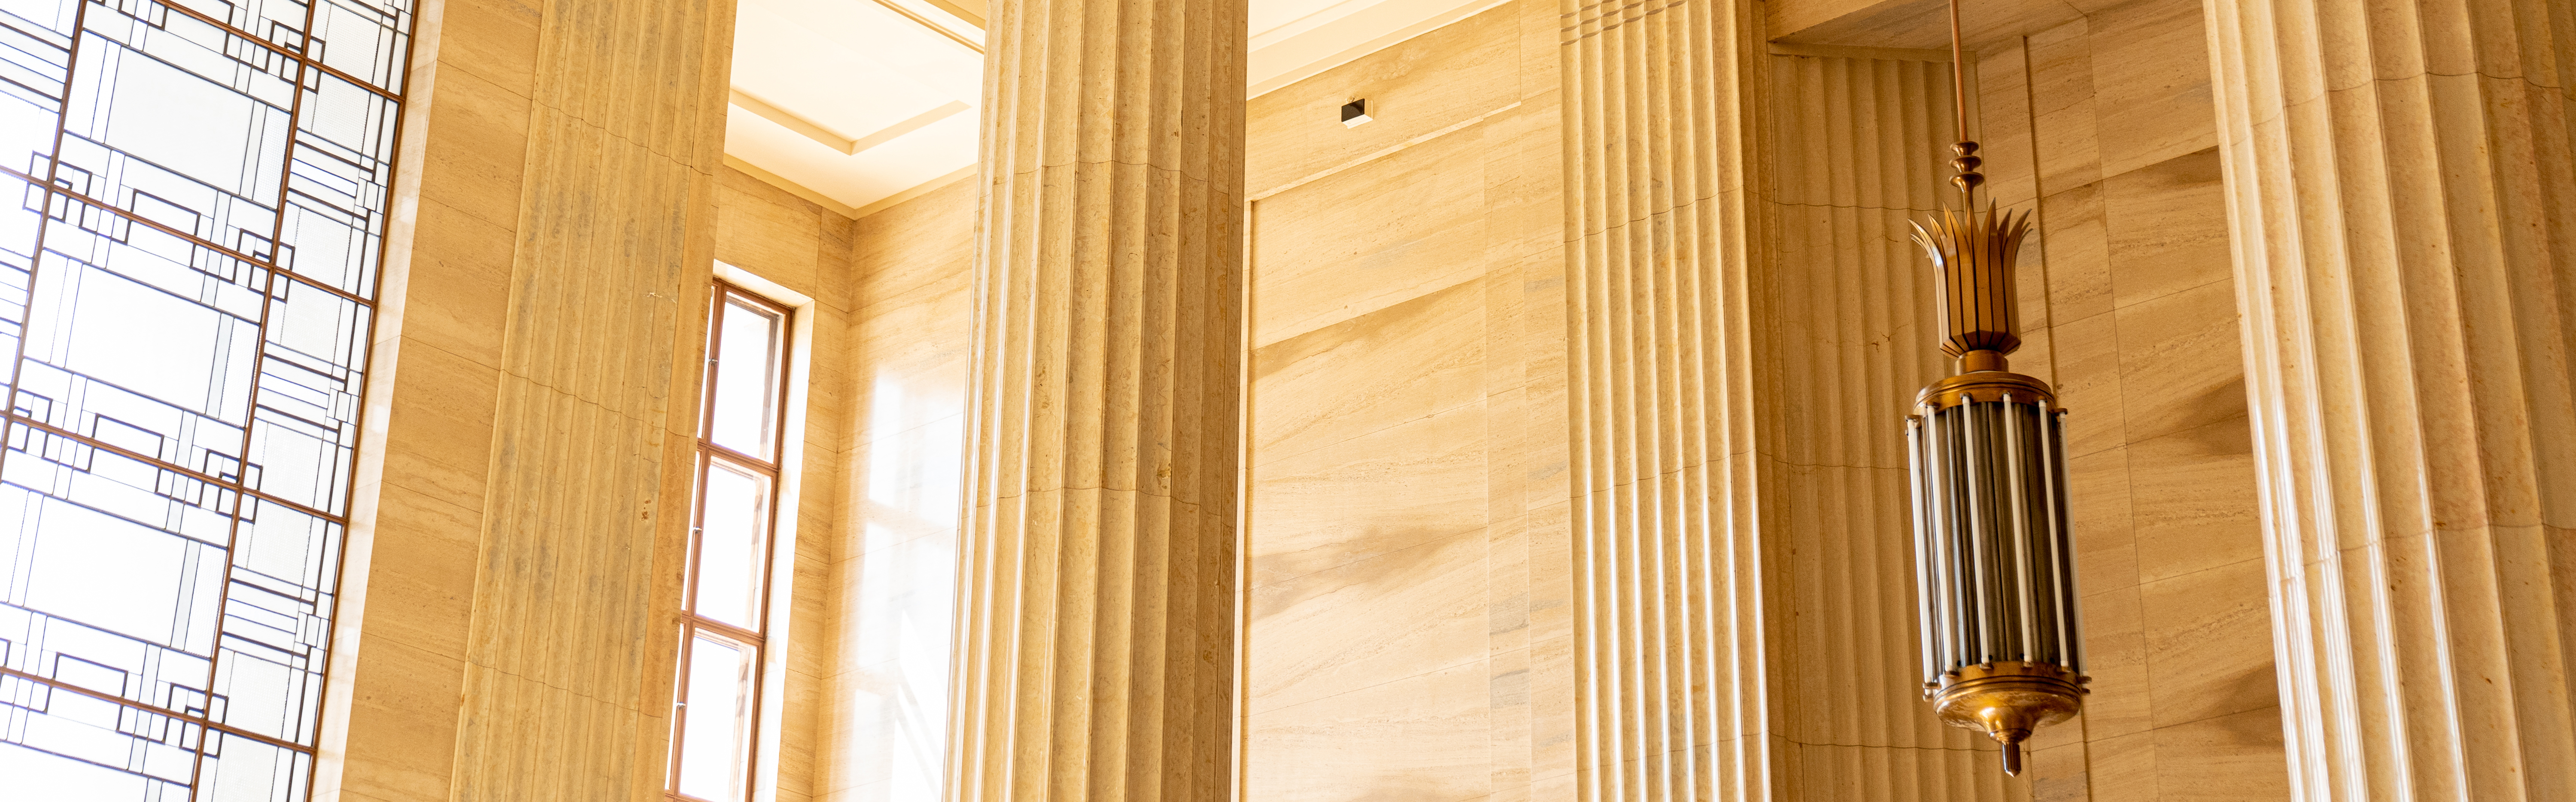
(526, 481)
(1097, 617)
(1673, 695)
(2404, 203)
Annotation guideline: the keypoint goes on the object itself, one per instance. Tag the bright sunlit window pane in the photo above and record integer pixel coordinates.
(730, 544)
(715, 719)
(725, 624)
(746, 379)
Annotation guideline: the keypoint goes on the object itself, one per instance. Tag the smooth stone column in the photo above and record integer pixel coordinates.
(1097, 616)
(2404, 202)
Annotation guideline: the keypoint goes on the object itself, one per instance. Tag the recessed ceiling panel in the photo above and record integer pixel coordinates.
(855, 100)
(861, 100)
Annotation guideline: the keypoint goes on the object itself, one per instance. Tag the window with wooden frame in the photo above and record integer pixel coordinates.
(724, 622)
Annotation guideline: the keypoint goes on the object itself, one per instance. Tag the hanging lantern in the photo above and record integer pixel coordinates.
(1993, 565)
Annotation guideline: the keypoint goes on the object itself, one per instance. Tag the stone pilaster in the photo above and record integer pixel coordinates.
(2403, 197)
(1673, 694)
(1097, 617)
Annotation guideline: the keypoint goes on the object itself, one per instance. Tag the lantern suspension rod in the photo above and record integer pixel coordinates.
(1967, 161)
(1958, 73)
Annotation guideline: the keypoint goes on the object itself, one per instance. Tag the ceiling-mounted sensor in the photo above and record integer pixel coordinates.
(1354, 113)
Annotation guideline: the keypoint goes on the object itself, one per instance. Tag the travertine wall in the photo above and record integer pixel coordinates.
(2105, 128)
(894, 576)
(1411, 565)
(1408, 590)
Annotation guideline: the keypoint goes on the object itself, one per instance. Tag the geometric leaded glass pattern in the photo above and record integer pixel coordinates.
(192, 214)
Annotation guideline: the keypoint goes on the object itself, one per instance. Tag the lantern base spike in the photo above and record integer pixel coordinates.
(2007, 700)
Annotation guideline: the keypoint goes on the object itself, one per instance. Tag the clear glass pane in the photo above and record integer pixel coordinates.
(239, 769)
(113, 571)
(716, 722)
(63, 745)
(731, 545)
(745, 375)
(179, 122)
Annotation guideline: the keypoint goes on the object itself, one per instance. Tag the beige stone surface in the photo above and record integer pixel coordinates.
(1416, 737)
(1365, 239)
(518, 558)
(2398, 178)
(1096, 649)
(892, 577)
(1407, 520)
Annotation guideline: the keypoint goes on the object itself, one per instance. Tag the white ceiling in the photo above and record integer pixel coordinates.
(855, 102)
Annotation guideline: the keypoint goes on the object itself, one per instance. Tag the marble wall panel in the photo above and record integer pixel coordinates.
(1421, 737)
(2167, 226)
(2151, 81)
(1403, 613)
(1387, 490)
(1411, 360)
(1414, 87)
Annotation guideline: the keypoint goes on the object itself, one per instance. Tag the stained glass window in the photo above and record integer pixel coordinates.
(192, 212)
(725, 627)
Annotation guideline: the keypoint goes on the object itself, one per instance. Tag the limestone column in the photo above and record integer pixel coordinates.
(2403, 196)
(523, 493)
(1096, 630)
(1673, 687)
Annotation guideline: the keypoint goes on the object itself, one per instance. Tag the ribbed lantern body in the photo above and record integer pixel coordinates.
(1993, 561)
(1994, 566)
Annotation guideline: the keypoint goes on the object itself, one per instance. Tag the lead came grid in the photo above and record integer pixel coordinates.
(192, 214)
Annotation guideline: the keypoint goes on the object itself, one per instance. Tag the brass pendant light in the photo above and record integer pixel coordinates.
(1993, 564)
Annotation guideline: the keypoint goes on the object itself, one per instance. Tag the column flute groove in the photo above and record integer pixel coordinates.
(1095, 642)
